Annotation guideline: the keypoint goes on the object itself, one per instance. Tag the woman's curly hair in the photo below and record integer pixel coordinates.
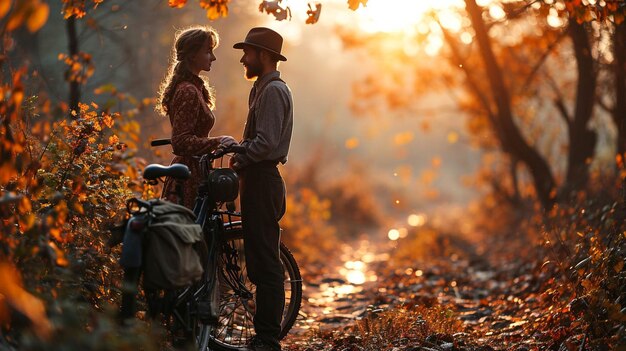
(188, 42)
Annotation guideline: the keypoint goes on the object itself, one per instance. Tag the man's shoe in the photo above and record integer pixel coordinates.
(257, 344)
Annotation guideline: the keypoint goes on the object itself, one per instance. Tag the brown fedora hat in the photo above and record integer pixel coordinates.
(263, 38)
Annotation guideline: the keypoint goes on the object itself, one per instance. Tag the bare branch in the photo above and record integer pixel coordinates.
(542, 59)
(559, 101)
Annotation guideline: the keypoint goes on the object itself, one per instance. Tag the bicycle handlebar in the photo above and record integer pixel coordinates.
(161, 142)
(221, 151)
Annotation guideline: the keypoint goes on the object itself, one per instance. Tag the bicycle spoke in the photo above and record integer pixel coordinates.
(236, 305)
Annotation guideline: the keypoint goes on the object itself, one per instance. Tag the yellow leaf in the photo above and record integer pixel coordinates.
(38, 17)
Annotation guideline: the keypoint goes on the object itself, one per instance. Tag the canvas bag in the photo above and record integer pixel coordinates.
(170, 259)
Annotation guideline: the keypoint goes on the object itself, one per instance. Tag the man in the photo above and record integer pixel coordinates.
(266, 138)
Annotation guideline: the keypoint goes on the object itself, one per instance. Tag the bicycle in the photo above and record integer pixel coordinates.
(190, 311)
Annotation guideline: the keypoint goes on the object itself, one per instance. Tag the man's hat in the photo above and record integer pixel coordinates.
(263, 38)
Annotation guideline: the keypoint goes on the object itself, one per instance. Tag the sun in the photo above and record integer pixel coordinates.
(395, 16)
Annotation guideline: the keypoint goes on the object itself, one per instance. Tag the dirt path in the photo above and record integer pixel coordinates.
(492, 301)
(340, 292)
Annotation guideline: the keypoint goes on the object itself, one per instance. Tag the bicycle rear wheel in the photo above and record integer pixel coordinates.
(235, 328)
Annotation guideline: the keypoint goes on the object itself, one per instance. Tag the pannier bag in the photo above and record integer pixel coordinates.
(170, 259)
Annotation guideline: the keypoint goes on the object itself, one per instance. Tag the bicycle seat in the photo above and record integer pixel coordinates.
(177, 170)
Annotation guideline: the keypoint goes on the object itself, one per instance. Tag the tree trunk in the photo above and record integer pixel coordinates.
(619, 110)
(508, 133)
(72, 37)
(582, 141)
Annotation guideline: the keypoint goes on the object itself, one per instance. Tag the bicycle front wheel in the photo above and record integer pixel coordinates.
(237, 307)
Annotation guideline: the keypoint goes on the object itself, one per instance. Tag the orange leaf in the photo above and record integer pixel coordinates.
(403, 138)
(78, 207)
(113, 140)
(177, 3)
(5, 6)
(15, 20)
(59, 258)
(354, 4)
(15, 297)
(18, 96)
(108, 121)
(24, 205)
(56, 233)
(352, 143)
(27, 222)
(314, 15)
(215, 11)
(38, 17)
(453, 137)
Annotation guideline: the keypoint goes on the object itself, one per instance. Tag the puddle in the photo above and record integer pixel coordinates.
(342, 295)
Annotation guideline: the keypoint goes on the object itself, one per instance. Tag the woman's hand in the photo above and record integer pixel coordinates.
(228, 141)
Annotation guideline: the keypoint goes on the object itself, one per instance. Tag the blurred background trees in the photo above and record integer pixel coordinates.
(538, 80)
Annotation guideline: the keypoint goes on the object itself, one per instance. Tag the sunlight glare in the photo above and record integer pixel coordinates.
(496, 12)
(433, 46)
(416, 220)
(356, 277)
(393, 234)
(403, 232)
(355, 265)
(395, 16)
(450, 20)
(553, 19)
(466, 38)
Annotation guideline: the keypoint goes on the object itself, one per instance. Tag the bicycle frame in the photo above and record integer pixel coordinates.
(214, 228)
(195, 309)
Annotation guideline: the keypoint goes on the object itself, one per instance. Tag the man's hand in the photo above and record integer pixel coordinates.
(228, 141)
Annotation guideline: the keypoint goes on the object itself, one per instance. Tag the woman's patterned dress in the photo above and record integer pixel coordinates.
(191, 121)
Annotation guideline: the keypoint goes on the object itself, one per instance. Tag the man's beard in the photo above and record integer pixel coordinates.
(253, 71)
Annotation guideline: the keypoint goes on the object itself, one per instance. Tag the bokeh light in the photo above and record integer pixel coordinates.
(394, 234)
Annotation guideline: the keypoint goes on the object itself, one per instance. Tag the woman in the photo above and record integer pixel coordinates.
(187, 99)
